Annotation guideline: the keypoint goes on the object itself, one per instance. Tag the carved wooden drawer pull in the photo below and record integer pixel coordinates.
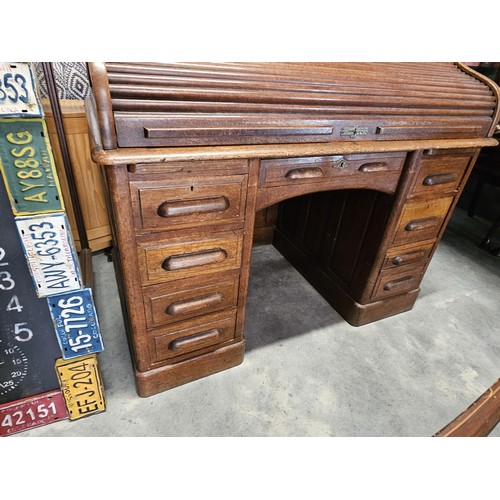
(183, 261)
(191, 342)
(304, 173)
(189, 305)
(419, 224)
(433, 180)
(376, 166)
(399, 284)
(189, 207)
(406, 258)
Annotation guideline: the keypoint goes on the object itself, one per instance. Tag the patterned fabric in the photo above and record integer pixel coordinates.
(72, 80)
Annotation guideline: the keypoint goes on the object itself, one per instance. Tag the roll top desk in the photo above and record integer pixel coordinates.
(366, 162)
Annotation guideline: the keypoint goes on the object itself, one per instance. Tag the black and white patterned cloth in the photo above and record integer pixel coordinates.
(72, 80)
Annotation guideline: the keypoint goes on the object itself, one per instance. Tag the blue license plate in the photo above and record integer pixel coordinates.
(76, 323)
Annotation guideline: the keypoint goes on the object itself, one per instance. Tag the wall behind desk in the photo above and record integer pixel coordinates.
(73, 86)
(88, 177)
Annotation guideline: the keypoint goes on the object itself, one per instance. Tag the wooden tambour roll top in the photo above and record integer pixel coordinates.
(195, 104)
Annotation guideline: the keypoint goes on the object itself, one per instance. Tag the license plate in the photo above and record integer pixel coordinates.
(28, 167)
(32, 412)
(81, 385)
(50, 252)
(75, 319)
(17, 91)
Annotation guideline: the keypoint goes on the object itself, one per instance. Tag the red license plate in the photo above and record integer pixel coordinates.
(35, 411)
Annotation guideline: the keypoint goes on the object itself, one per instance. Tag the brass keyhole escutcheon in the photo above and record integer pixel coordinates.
(340, 164)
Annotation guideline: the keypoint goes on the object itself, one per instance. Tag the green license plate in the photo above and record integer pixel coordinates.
(28, 167)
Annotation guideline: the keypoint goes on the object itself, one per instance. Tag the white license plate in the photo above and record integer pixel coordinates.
(50, 253)
(17, 91)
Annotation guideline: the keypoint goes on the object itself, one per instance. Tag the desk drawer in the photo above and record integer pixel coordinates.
(413, 254)
(191, 202)
(422, 220)
(201, 334)
(190, 299)
(165, 260)
(440, 175)
(290, 171)
(395, 281)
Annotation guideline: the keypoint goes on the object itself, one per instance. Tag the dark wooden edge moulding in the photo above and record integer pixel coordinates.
(479, 419)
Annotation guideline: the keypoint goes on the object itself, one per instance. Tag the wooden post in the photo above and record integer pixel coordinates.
(86, 252)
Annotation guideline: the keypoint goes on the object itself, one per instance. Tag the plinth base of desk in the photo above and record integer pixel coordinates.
(357, 314)
(362, 314)
(170, 376)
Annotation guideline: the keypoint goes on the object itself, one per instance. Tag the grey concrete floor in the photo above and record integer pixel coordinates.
(307, 372)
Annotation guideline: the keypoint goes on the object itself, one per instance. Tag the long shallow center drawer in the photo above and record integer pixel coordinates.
(170, 259)
(191, 202)
(371, 168)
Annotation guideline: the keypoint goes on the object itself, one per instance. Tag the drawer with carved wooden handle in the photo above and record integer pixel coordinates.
(189, 298)
(408, 255)
(439, 175)
(421, 220)
(289, 171)
(395, 281)
(198, 336)
(188, 203)
(170, 259)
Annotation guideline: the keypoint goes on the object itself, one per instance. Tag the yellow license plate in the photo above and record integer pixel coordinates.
(81, 385)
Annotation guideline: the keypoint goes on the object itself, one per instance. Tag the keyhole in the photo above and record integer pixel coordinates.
(340, 165)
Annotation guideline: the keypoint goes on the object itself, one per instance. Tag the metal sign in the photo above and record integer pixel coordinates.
(17, 91)
(76, 324)
(28, 345)
(28, 166)
(50, 253)
(81, 385)
(32, 412)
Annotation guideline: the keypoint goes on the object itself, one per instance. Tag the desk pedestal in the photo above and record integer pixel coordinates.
(361, 228)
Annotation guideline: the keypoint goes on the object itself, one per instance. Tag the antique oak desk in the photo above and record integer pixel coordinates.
(366, 161)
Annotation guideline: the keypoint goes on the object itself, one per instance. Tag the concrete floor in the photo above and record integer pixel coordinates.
(307, 372)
